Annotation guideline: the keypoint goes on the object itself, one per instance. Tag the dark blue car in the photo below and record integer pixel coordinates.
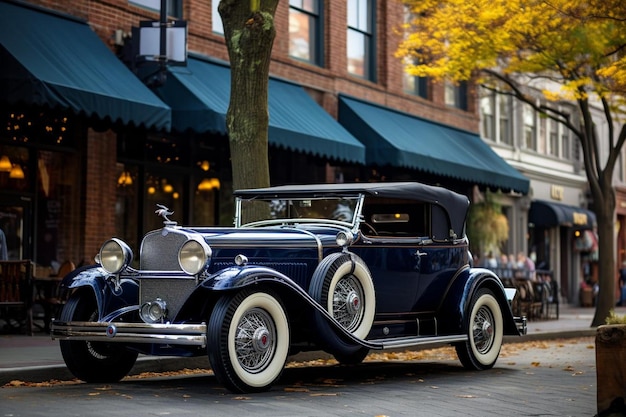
(343, 268)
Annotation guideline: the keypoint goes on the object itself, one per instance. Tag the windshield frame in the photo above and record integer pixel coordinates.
(353, 224)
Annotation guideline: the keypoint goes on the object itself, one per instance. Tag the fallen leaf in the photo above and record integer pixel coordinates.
(296, 389)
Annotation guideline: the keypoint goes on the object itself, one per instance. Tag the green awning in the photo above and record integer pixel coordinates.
(401, 140)
(552, 214)
(199, 95)
(58, 61)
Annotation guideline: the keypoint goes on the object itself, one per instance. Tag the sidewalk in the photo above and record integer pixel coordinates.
(38, 358)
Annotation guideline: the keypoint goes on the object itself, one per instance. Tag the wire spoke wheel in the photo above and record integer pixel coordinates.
(254, 342)
(348, 302)
(248, 339)
(485, 332)
(482, 329)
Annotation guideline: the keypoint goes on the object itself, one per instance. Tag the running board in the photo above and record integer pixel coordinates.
(414, 341)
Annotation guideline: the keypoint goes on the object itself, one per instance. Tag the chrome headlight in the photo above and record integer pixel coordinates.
(153, 311)
(114, 256)
(194, 256)
(344, 239)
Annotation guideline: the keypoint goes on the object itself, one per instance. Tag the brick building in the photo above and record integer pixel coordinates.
(94, 140)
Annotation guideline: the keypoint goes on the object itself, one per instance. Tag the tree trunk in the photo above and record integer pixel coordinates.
(604, 207)
(249, 32)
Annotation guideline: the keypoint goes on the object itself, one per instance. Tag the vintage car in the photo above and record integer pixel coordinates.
(343, 268)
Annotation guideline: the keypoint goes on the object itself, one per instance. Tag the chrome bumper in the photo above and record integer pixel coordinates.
(173, 334)
(520, 322)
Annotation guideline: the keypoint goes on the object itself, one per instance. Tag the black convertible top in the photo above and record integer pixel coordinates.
(456, 205)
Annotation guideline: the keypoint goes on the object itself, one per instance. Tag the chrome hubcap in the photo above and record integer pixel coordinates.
(347, 305)
(482, 329)
(255, 340)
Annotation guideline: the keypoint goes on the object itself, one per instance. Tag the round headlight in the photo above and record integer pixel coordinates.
(344, 238)
(115, 255)
(194, 256)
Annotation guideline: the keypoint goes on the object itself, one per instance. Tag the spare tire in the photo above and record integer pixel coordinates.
(343, 285)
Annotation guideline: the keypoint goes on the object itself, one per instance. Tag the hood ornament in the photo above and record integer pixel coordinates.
(163, 211)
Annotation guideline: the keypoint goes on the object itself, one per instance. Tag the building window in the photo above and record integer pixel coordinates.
(216, 20)
(553, 135)
(456, 95)
(411, 84)
(174, 7)
(495, 112)
(360, 40)
(505, 109)
(566, 140)
(530, 127)
(305, 31)
(415, 85)
(487, 113)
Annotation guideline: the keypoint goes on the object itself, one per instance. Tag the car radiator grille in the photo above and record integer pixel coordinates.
(159, 251)
(174, 291)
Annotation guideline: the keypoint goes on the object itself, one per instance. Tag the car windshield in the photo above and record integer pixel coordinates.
(278, 209)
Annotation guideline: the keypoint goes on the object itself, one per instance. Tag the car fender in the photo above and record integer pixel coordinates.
(235, 278)
(108, 297)
(485, 278)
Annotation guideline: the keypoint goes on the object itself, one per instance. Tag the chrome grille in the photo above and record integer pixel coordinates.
(159, 250)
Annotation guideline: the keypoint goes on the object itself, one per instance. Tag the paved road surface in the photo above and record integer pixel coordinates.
(535, 378)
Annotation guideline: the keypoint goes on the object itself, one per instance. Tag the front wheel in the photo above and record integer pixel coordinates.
(93, 361)
(485, 331)
(248, 340)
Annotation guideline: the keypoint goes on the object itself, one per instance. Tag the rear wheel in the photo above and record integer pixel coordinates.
(485, 332)
(93, 361)
(248, 340)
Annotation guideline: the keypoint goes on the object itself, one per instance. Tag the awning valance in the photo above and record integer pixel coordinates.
(402, 140)
(199, 95)
(551, 214)
(58, 61)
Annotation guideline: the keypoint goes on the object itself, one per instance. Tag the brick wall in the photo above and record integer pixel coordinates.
(106, 16)
(100, 192)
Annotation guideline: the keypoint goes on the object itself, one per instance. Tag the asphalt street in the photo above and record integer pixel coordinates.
(533, 378)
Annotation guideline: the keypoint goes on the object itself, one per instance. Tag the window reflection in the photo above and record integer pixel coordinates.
(305, 30)
(360, 38)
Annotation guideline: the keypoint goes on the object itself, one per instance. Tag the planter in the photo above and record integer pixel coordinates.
(611, 369)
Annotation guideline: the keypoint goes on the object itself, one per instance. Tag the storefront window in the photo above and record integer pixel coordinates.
(58, 209)
(40, 186)
(127, 205)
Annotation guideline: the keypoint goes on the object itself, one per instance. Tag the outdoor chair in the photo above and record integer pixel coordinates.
(16, 294)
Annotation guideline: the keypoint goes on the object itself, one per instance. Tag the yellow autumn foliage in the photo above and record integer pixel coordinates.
(578, 44)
